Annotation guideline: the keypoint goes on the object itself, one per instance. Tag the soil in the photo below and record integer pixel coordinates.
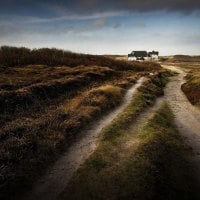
(187, 116)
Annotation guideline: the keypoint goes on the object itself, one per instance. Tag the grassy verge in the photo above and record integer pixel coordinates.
(148, 165)
(192, 87)
(145, 97)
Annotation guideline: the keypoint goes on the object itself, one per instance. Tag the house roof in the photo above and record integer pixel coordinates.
(139, 53)
(142, 54)
(153, 53)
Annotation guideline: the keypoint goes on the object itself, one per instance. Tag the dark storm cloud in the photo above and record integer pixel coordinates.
(13, 29)
(138, 5)
(53, 8)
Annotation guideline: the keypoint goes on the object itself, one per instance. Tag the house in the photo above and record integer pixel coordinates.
(153, 55)
(138, 55)
(143, 55)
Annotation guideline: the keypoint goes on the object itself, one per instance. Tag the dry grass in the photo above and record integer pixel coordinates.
(18, 90)
(21, 87)
(27, 144)
(192, 87)
(191, 65)
(186, 58)
(180, 59)
(146, 96)
(19, 77)
(44, 108)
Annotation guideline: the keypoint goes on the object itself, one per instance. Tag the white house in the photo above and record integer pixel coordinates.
(143, 55)
(153, 55)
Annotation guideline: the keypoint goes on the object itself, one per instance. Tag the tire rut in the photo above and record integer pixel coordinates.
(57, 176)
(187, 117)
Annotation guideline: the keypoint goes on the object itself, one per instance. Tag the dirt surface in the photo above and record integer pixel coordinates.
(187, 116)
(57, 177)
(187, 119)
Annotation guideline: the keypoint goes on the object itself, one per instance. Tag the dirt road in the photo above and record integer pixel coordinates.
(187, 117)
(57, 177)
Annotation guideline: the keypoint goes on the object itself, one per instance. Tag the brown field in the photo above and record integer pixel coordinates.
(49, 97)
(43, 108)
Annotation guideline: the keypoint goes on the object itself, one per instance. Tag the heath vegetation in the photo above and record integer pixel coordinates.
(47, 96)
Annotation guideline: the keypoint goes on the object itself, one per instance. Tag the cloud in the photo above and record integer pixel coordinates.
(141, 5)
(99, 23)
(193, 38)
(140, 24)
(19, 29)
(77, 8)
(117, 25)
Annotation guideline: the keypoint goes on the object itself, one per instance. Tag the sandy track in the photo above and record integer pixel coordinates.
(57, 177)
(187, 117)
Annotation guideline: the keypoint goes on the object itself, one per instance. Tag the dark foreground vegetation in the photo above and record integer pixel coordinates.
(155, 166)
(47, 97)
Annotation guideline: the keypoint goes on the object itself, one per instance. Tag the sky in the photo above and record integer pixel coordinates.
(102, 26)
